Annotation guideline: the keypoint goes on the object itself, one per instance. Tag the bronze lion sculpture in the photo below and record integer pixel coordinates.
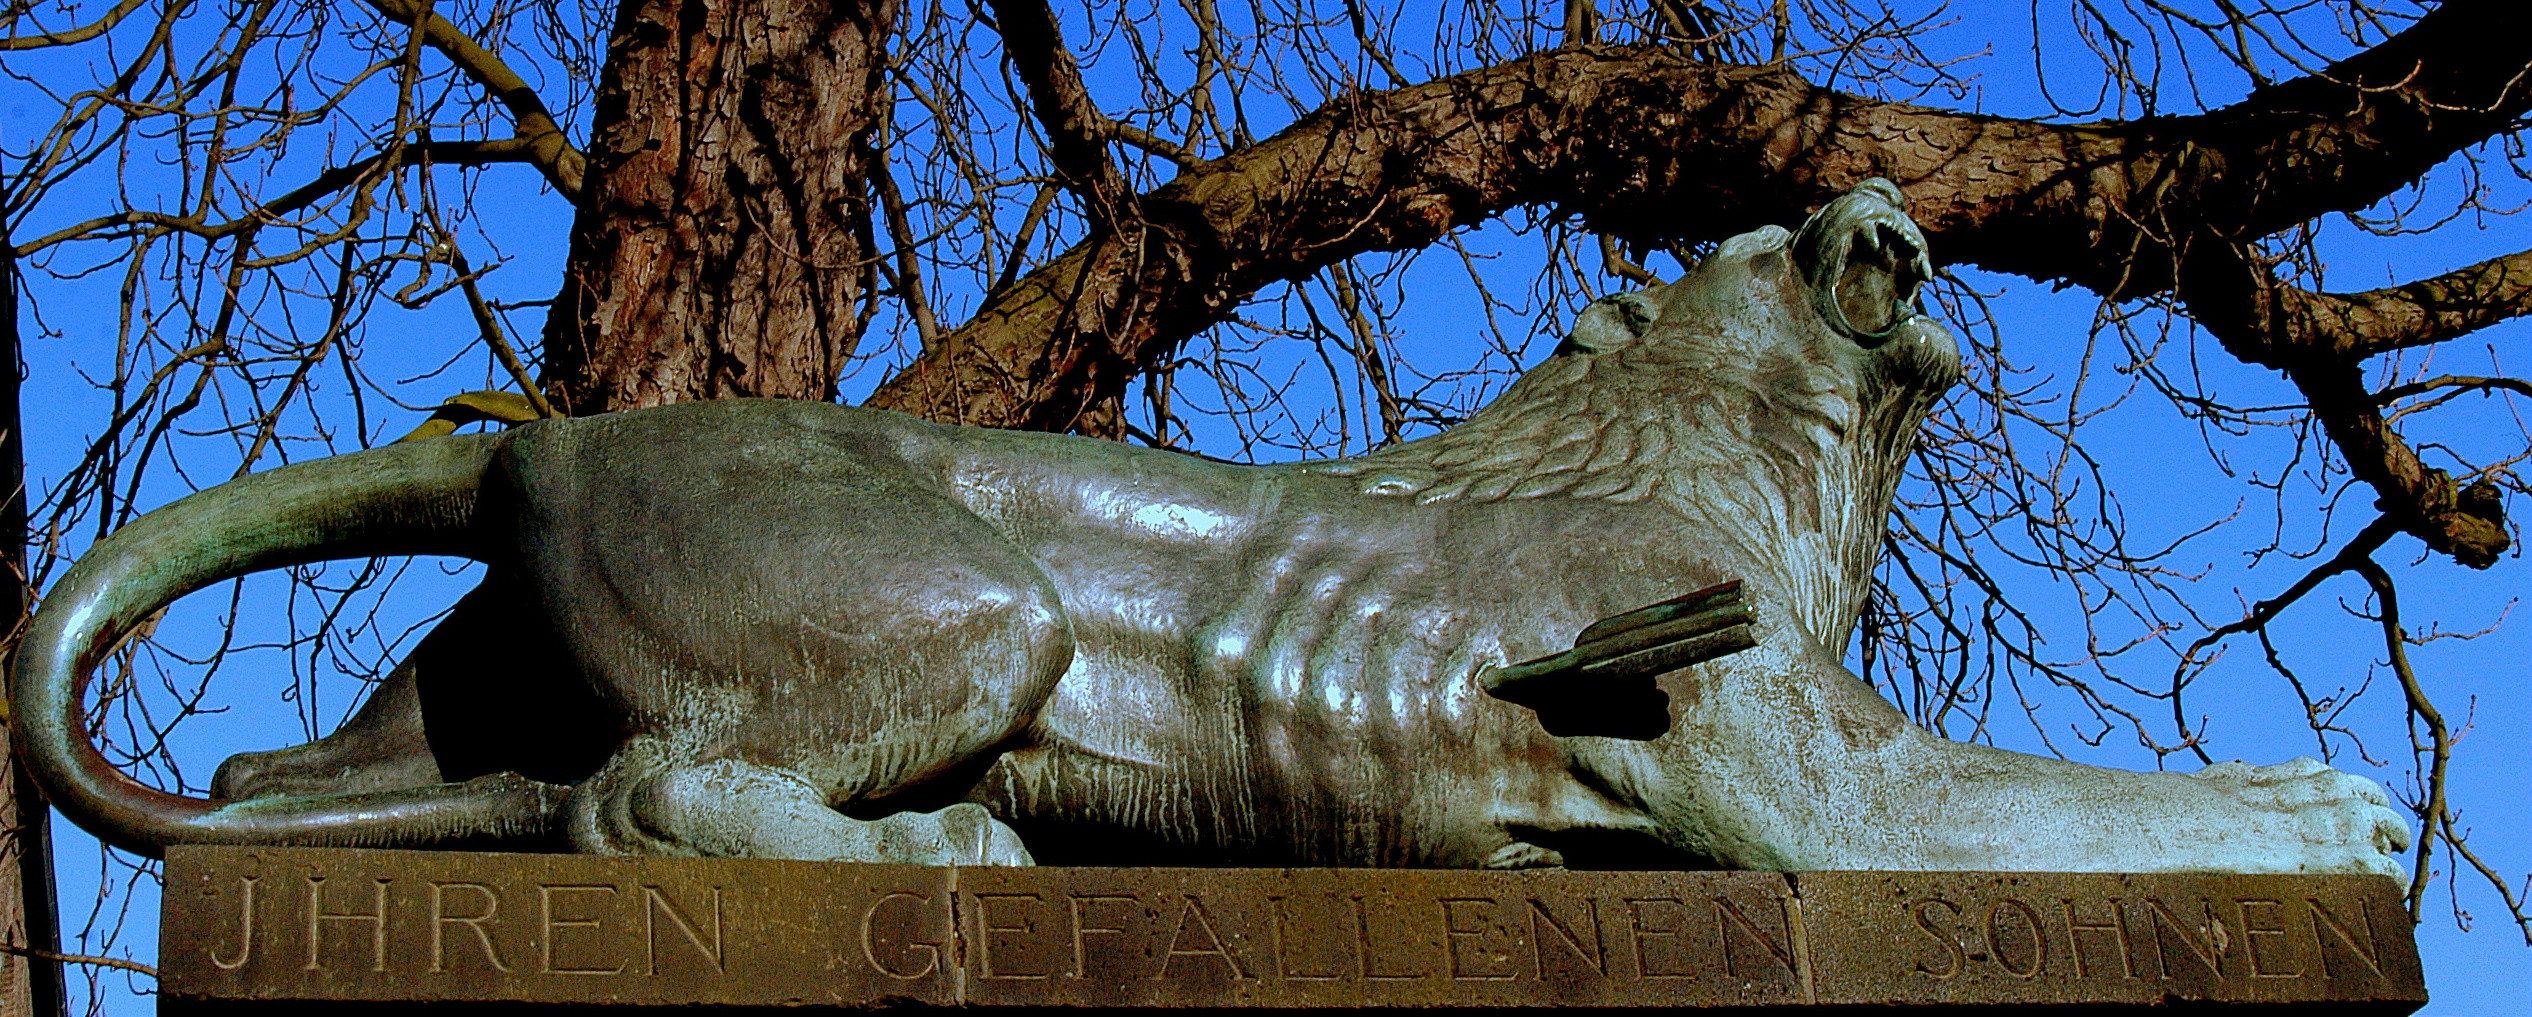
(782, 629)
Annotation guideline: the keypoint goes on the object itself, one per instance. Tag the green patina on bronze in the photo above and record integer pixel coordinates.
(791, 630)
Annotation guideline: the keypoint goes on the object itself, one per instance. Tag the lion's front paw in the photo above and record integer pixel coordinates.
(963, 834)
(2307, 817)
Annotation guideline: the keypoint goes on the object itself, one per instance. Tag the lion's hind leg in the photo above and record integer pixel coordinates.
(381, 748)
(489, 690)
(801, 671)
(648, 805)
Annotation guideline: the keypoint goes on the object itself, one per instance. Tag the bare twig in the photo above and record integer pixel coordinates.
(1020, 240)
(2360, 549)
(2455, 383)
(360, 173)
(1613, 259)
(909, 253)
(72, 36)
(2438, 747)
(546, 145)
(117, 963)
(495, 337)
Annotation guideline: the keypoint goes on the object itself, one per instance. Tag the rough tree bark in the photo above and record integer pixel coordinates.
(723, 242)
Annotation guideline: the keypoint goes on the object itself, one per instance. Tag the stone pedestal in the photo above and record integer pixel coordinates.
(275, 930)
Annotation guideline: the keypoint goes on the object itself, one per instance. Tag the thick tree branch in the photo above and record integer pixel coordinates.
(2465, 522)
(1648, 146)
(2320, 341)
(553, 153)
(2284, 325)
(1076, 132)
(1092, 323)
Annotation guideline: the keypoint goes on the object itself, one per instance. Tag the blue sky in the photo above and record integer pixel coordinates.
(2170, 482)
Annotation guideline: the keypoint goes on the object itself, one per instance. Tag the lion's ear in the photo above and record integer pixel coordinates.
(1612, 322)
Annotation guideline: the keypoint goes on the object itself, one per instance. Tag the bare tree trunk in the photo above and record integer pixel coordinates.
(27, 908)
(723, 246)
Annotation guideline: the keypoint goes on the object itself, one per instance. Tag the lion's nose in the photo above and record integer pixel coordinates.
(1879, 187)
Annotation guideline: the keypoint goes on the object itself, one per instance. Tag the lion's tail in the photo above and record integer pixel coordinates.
(412, 498)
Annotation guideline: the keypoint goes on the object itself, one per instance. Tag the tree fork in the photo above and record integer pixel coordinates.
(1650, 146)
(1657, 147)
(2319, 341)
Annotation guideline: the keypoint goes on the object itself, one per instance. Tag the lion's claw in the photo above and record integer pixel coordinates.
(2311, 818)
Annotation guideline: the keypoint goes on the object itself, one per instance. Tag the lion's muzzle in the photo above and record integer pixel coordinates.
(1864, 261)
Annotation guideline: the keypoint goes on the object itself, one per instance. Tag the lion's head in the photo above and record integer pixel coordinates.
(1771, 394)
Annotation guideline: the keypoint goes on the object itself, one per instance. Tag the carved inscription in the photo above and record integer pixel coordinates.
(442, 916)
(1979, 937)
(1459, 938)
(989, 933)
(1343, 939)
(1470, 949)
(1548, 932)
(245, 929)
(2147, 938)
(351, 926)
(347, 926)
(1192, 916)
(1086, 923)
(886, 932)
(566, 919)
(321, 920)
(1694, 937)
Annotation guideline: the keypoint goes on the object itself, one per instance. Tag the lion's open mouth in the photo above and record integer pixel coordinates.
(1864, 260)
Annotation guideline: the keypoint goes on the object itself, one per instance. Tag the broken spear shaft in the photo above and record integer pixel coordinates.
(1647, 641)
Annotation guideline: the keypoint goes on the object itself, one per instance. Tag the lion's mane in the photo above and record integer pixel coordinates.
(1787, 454)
